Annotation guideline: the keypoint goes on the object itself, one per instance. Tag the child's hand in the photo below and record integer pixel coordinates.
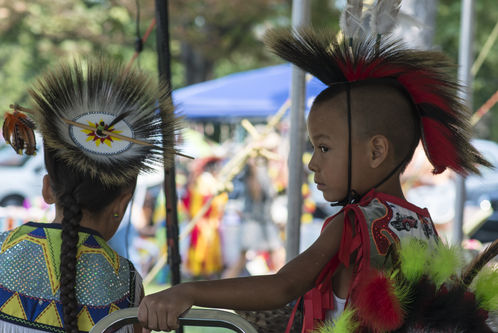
(160, 311)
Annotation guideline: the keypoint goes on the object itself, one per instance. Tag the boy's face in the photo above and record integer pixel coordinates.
(328, 133)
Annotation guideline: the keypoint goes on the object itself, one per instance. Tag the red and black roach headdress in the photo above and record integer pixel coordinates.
(425, 75)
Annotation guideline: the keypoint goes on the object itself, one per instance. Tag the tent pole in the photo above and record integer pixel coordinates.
(300, 17)
(163, 62)
(465, 56)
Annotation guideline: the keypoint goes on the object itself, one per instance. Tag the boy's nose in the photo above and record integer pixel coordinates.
(311, 164)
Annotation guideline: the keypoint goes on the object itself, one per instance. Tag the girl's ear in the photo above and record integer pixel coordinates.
(118, 207)
(47, 193)
(378, 150)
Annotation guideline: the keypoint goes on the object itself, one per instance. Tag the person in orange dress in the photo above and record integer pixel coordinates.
(204, 254)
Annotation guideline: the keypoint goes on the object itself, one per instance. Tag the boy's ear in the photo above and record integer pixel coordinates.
(378, 150)
(47, 193)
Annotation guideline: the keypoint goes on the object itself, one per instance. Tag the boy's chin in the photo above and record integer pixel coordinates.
(332, 197)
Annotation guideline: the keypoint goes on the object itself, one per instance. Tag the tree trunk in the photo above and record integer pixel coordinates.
(197, 67)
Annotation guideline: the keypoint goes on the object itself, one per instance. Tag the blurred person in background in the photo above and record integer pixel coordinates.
(204, 255)
(257, 231)
(435, 192)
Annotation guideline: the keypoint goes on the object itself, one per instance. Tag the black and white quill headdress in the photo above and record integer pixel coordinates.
(105, 121)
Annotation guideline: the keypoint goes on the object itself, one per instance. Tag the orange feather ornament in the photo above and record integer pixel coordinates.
(18, 131)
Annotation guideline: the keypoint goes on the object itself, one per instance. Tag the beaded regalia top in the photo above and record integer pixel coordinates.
(371, 227)
(29, 287)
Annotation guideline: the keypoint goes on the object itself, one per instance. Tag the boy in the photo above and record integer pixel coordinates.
(364, 128)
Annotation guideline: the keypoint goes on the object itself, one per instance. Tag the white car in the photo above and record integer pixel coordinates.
(20, 176)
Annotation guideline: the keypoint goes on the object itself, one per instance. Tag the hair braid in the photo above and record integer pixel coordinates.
(69, 248)
(75, 192)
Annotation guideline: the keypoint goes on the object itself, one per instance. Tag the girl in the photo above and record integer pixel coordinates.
(100, 128)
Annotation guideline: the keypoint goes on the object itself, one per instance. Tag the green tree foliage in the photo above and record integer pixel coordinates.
(209, 38)
(220, 37)
(222, 34)
(213, 31)
(36, 34)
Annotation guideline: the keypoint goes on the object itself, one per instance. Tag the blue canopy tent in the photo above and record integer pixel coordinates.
(252, 94)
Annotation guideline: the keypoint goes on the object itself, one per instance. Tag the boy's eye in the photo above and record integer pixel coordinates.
(323, 149)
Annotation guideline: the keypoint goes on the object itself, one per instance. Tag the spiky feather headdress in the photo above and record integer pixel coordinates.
(104, 121)
(425, 75)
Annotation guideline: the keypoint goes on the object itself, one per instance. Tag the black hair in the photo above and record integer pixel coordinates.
(401, 126)
(74, 192)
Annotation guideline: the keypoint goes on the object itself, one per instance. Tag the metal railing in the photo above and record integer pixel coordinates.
(193, 317)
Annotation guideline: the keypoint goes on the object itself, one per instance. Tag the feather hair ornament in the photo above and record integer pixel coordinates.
(426, 76)
(384, 16)
(351, 19)
(94, 118)
(18, 131)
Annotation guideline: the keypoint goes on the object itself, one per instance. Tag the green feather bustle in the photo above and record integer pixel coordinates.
(485, 287)
(446, 261)
(402, 289)
(413, 255)
(345, 323)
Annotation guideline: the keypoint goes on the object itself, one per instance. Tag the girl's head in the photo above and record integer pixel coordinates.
(102, 125)
(75, 192)
(384, 134)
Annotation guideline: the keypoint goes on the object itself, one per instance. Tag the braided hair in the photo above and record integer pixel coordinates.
(74, 191)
